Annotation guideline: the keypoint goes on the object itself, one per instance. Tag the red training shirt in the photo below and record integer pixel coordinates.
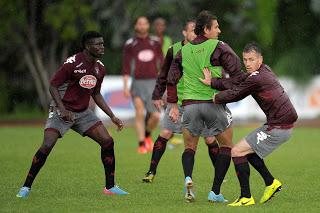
(77, 79)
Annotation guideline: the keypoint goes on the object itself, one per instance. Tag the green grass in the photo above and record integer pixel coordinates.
(23, 115)
(72, 179)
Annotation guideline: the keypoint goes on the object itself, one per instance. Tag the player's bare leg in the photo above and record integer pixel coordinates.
(140, 123)
(151, 125)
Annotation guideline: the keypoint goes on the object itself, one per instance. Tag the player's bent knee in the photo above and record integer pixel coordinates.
(107, 143)
(236, 152)
(210, 140)
(155, 115)
(167, 134)
(190, 146)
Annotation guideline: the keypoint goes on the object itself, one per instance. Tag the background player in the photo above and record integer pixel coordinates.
(142, 58)
(159, 28)
(168, 127)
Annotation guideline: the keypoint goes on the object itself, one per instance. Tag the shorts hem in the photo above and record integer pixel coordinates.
(50, 129)
(98, 123)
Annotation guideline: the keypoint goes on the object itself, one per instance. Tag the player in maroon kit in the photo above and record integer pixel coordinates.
(72, 85)
(263, 86)
(142, 58)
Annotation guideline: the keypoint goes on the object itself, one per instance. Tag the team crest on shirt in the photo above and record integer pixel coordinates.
(88, 81)
(146, 55)
(96, 69)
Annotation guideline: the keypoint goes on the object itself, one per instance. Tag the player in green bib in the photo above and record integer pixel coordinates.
(168, 128)
(199, 110)
(159, 27)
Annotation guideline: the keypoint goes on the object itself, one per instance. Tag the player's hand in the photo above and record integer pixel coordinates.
(117, 122)
(174, 112)
(158, 104)
(66, 115)
(207, 76)
(126, 93)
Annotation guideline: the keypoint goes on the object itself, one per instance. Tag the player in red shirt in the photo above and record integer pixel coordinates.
(72, 85)
(263, 85)
(142, 58)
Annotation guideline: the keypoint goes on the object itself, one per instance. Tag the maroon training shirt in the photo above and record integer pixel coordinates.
(142, 57)
(161, 83)
(222, 56)
(269, 94)
(76, 80)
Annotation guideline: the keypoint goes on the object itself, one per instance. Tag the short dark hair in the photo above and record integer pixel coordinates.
(252, 46)
(87, 36)
(204, 20)
(188, 21)
(139, 17)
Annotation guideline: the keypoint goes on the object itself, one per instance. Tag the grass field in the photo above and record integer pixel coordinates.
(73, 177)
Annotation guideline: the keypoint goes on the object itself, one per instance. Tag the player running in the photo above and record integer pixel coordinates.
(142, 58)
(168, 127)
(263, 86)
(72, 85)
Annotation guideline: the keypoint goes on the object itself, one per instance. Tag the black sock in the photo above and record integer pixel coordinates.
(221, 167)
(146, 119)
(147, 133)
(242, 168)
(38, 161)
(213, 150)
(188, 162)
(158, 149)
(259, 165)
(141, 143)
(108, 160)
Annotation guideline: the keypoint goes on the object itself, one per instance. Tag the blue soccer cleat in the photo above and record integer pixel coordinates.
(212, 197)
(114, 191)
(189, 195)
(24, 192)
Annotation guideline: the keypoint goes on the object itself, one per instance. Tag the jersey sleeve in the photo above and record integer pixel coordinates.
(126, 59)
(63, 74)
(228, 59)
(174, 75)
(161, 83)
(239, 92)
(100, 80)
(159, 53)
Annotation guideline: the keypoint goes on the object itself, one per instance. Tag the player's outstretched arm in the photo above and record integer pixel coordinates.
(97, 97)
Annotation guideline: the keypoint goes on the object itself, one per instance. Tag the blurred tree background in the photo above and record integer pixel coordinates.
(36, 36)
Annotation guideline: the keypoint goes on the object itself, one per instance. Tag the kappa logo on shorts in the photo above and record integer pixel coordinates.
(261, 136)
(88, 81)
(229, 117)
